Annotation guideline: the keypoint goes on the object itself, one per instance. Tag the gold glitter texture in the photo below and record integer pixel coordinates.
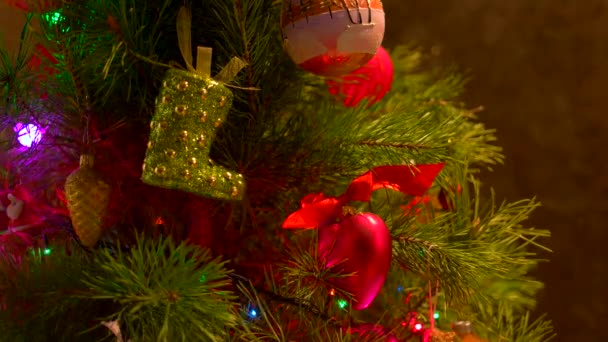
(87, 198)
(442, 336)
(184, 126)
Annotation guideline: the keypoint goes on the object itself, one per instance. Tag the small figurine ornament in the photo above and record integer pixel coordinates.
(114, 327)
(17, 210)
(13, 211)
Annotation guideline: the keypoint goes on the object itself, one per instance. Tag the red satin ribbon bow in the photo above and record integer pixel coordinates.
(319, 210)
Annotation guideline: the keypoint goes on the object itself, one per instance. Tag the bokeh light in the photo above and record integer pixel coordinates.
(28, 135)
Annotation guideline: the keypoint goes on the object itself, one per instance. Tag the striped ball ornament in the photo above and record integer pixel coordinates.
(332, 37)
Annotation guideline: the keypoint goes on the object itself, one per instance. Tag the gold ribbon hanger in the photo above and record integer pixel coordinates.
(203, 54)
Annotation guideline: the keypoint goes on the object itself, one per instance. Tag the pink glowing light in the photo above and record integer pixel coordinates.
(28, 135)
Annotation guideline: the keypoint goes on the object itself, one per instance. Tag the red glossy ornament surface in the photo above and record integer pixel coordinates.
(35, 6)
(336, 64)
(359, 244)
(370, 82)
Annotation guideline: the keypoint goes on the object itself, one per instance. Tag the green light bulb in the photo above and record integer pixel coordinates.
(47, 251)
(342, 304)
(436, 315)
(54, 17)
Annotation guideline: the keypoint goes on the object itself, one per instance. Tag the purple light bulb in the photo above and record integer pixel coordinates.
(28, 134)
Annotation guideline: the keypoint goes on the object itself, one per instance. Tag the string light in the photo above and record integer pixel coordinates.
(54, 17)
(342, 304)
(417, 327)
(436, 315)
(41, 251)
(399, 288)
(253, 313)
(28, 135)
(332, 292)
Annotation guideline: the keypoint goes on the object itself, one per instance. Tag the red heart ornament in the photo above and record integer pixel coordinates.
(359, 244)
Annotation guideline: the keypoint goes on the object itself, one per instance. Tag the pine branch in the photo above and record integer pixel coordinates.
(277, 298)
(455, 266)
(468, 249)
(394, 144)
(502, 324)
(164, 291)
(126, 36)
(15, 79)
(39, 295)
(277, 313)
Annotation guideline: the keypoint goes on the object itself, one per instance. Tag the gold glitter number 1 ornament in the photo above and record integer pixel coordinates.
(190, 108)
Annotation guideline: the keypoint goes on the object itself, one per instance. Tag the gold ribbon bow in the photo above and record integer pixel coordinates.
(203, 54)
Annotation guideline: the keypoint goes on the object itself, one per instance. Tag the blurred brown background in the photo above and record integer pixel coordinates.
(539, 68)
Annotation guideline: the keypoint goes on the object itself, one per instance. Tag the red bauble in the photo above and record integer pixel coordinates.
(35, 6)
(359, 244)
(370, 82)
(29, 216)
(332, 38)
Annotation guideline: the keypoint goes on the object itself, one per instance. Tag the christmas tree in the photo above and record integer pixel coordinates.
(248, 170)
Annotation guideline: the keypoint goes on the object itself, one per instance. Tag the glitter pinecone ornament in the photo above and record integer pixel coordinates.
(87, 197)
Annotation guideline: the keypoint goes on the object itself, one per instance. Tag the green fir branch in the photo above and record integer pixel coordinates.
(15, 76)
(463, 249)
(502, 324)
(417, 85)
(41, 296)
(166, 292)
(116, 47)
(306, 273)
(456, 266)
